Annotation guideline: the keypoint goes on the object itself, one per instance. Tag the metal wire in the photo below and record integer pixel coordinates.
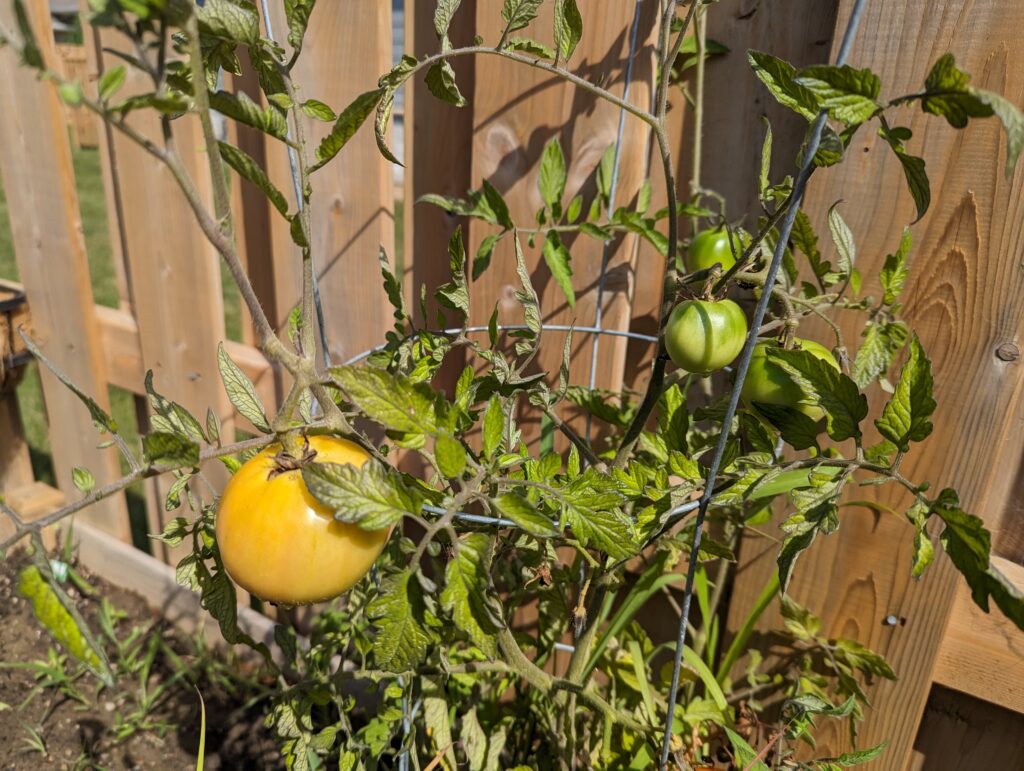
(293, 164)
(612, 189)
(741, 373)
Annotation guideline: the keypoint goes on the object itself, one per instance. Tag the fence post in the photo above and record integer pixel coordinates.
(38, 179)
(964, 298)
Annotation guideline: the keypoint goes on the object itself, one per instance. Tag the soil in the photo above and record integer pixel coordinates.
(82, 736)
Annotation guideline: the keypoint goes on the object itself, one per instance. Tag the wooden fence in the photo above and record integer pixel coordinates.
(171, 314)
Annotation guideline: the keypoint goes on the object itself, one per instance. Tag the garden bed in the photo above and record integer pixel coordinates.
(75, 724)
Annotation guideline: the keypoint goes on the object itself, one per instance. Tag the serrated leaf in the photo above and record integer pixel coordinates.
(527, 297)
(450, 454)
(894, 271)
(391, 400)
(242, 108)
(882, 341)
(568, 27)
(483, 254)
(496, 203)
(473, 740)
(229, 21)
(517, 508)
(530, 46)
(441, 83)
(551, 179)
(241, 391)
(493, 427)
(842, 237)
(248, 169)
(1013, 123)
(847, 93)
(373, 496)
(845, 406)
(347, 124)
(466, 593)
(519, 13)
(905, 418)
(559, 262)
(170, 449)
(779, 77)
(857, 757)
(746, 756)
(797, 429)
(111, 81)
(455, 294)
(592, 509)
(380, 125)
(947, 94)
(913, 167)
(399, 612)
(443, 13)
(297, 13)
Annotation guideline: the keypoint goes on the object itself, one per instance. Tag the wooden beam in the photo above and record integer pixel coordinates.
(39, 182)
(983, 653)
(964, 299)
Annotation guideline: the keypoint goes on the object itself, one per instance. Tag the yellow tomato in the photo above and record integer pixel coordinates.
(279, 543)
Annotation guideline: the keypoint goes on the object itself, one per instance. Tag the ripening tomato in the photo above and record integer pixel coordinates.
(703, 335)
(712, 246)
(768, 383)
(281, 544)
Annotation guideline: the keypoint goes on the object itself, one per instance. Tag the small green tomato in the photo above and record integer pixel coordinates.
(768, 383)
(702, 335)
(712, 246)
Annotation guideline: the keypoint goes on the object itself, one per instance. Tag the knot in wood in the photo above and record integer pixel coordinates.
(1008, 352)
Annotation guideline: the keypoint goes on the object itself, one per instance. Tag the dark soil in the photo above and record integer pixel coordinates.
(82, 736)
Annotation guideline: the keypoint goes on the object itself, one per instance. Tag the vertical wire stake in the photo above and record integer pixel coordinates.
(741, 373)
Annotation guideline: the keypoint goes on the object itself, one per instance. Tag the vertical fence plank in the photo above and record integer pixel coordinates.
(35, 164)
(345, 52)
(175, 274)
(517, 109)
(964, 300)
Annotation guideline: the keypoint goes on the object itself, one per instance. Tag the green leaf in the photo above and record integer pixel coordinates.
(517, 508)
(241, 391)
(806, 240)
(83, 479)
(494, 427)
(894, 271)
(568, 27)
(373, 496)
(170, 449)
(497, 206)
(441, 83)
(779, 77)
(856, 757)
(592, 509)
(1013, 124)
(802, 528)
(519, 13)
(31, 55)
(443, 14)
(59, 622)
(248, 169)
(455, 294)
(796, 428)
(241, 108)
(466, 593)
(913, 167)
(947, 94)
(845, 406)
(847, 93)
(451, 455)
(551, 180)
(746, 756)
(530, 46)
(297, 12)
(882, 341)
(473, 740)
(392, 287)
(527, 297)
(905, 418)
(111, 81)
(799, 621)
(100, 418)
(229, 21)
(345, 127)
(171, 417)
(842, 237)
(380, 125)
(559, 263)
(400, 614)
(391, 400)
(483, 254)
(317, 110)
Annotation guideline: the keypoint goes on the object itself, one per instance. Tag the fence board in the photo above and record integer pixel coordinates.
(517, 109)
(175, 275)
(352, 206)
(35, 164)
(74, 66)
(964, 299)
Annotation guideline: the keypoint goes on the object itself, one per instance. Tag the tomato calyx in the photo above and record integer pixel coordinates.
(284, 461)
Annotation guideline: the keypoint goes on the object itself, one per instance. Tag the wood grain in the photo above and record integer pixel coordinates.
(39, 184)
(517, 110)
(964, 300)
(345, 52)
(960, 733)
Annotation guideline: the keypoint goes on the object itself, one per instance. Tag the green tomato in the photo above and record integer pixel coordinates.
(712, 246)
(702, 336)
(768, 383)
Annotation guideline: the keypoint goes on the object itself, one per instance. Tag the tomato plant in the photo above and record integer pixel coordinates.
(703, 336)
(282, 544)
(584, 523)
